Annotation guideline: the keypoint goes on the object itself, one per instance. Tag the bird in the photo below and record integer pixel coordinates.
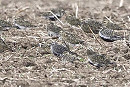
(53, 30)
(22, 23)
(63, 53)
(113, 26)
(1, 30)
(97, 59)
(45, 48)
(93, 24)
(72, 20)
(59, 12)
(69, 56)
(5, 25)
(70, 38)
(3, 46)
(109, 35)
(58, 49)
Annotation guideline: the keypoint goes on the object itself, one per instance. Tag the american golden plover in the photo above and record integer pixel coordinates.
(22, 23)
(96, 59)
(94, 25)
(57, 49)
(72, 20)
(53, 30)
(109, 35)
(71, 38)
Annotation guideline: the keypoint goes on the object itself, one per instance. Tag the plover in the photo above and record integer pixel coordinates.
(113, 26)
(94, 25)
(72, 20)
(71, 38)
(96, 59)
(57, 49)
(5, 25)
(69, 56)
(59, 12)
(63, 53)
(3, 46)
(109, 35)
(53, 30)
(45, 48)
(22, 23)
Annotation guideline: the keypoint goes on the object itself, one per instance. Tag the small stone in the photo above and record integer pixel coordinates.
(116, 50)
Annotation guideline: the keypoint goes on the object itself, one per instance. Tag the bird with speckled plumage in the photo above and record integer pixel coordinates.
(109, 35)
(97, 59)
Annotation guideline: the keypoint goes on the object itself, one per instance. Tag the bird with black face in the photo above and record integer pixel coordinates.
(57, 49)
(109, 35)
(63, 53)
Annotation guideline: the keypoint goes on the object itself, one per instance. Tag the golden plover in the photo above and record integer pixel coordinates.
(72, 20)
(96, 59)
(71, 38)
(4, 25)
(22, 23)
(109, 35)
(57, 49)
(94, 25)
(53, 30)
(3, 46)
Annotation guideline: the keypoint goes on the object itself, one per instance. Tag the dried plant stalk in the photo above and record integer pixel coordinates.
(95, 36)
(57, 18)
